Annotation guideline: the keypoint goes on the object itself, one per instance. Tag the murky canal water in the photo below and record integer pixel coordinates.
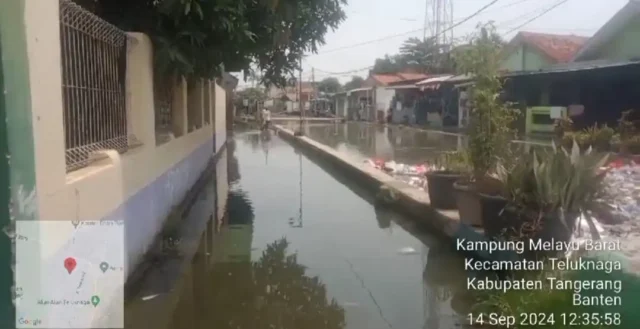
(401, 144)
(297, 248)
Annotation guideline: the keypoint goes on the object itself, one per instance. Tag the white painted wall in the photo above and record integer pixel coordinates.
(383, 98)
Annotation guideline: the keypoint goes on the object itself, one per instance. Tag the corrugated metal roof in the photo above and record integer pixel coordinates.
(359, 89)
(402, 87)
(434, 80)
(574, 67)
(460, 78)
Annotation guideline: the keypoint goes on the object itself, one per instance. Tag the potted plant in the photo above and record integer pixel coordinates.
(562, 126)
(602, 138)
(547, 195)
(451, 167)
(490, 128)
(629, 137)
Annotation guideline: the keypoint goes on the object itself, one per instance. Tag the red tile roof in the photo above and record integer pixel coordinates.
(387, 79)
(561, 48)
(413, 76)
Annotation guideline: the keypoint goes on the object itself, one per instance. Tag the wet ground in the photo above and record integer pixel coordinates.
(399, 143)
(295, 246)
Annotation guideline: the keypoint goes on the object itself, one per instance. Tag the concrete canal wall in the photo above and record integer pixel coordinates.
(409, 199)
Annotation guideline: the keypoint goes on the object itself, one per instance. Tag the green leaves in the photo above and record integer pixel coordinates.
(456, 161)
(491, 120)
(420, 55)
(354, 83)
(200, 35)
(329, 85)
(568, 181)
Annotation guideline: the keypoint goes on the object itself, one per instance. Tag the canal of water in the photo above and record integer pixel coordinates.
(399, 143)
(298, 246)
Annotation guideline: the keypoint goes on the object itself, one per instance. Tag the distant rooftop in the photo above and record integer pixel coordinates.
(561, 48)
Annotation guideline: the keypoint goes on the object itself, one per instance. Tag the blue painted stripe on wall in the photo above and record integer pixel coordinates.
(144, 213)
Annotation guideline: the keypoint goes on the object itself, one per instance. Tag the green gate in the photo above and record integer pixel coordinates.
(7, 312)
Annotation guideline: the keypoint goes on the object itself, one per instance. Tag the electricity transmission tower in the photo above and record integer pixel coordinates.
(438, 23)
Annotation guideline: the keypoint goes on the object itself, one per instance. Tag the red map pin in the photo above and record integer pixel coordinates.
(70, 264)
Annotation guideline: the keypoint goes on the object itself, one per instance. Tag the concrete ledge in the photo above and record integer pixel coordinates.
(410, 200)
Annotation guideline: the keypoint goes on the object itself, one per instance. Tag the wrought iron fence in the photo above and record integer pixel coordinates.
(194, 104)
(93, 85)
(163, 103)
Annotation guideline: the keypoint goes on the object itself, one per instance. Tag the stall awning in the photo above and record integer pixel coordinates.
(359, 89)
(402, 87)
(433, 80)
(433, 83)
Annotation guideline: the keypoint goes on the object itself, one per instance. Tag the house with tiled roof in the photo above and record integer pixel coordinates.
(391, 79)
(617, 40)
(371, 102)
(529, 51)
(288, 97)
(591, 83)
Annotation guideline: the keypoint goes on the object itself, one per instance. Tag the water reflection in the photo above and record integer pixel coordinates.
(273, 292)
(239, 209)
(402, 144)
(346, 267)
(233, 169)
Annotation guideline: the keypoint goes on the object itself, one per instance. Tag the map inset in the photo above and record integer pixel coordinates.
(70, 274)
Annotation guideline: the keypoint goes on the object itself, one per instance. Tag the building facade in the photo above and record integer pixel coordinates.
(91, 135)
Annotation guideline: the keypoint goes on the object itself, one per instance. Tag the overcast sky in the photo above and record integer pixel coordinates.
(376, 19)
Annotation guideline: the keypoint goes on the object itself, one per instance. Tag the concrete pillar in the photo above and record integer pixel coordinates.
(179, 107)
(204, 106)
(220, 128)
(42, 25)
(140, 99)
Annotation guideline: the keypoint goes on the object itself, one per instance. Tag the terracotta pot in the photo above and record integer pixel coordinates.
(440, 188)
(468, 203)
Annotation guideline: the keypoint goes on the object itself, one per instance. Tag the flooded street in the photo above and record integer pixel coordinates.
(296, 248)
(402, 144)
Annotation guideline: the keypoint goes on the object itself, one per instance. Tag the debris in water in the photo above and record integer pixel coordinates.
(146, 298)
(407, 251)
(413, 175)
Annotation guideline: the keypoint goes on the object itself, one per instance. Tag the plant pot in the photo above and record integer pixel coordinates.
(521, 223)
(491, 209)
(440, 188)
(468, 203)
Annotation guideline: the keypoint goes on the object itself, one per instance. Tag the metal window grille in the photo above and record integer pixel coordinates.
(163, 103)
(93, 85)
(194, 105)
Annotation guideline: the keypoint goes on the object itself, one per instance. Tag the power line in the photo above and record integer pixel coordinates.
(345, 72)
(538, 16)
(476, 13)
(544, 11)
(516, 20)
(464, 20)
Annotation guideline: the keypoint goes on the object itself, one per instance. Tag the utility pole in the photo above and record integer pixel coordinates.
(313, 86)
(300, 132)
(313, 82)
(439, 21)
